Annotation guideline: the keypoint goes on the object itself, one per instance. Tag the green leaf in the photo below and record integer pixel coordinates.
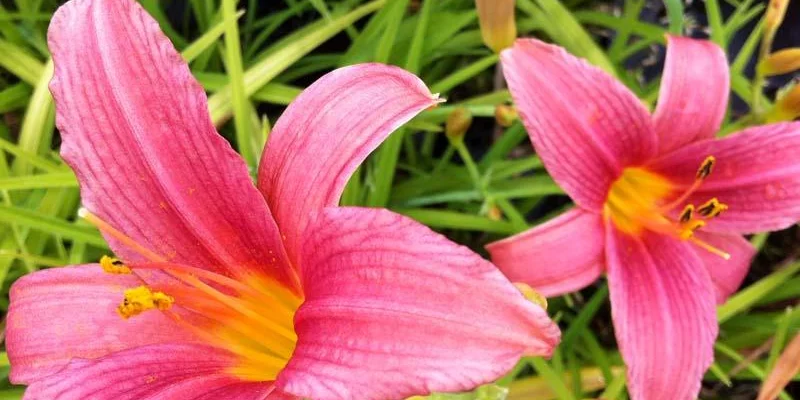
(205, 41)
(746, 298)
(282, 56)
(675, 15)
(562, 27)
(20, 63)
(239, 101)
(39, 181)
(14, 97)
(714, 16)
(39, 121)
(51, 225)
(457, 220)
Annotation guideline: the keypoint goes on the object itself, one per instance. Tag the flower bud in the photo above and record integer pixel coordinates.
(787, 105)
(494, 213)
(780, 62)
(776, 10)
(505, 115)
(457, 124)
(773, 18)
(498, 27)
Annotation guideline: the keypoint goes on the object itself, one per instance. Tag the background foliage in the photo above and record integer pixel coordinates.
(253, 57)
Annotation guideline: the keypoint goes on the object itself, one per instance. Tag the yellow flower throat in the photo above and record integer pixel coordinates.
(251, 317)
(641, 200)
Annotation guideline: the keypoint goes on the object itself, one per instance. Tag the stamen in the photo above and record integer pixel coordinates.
(712, 208)
(104, 226)
(688, 228)
(237, 305)
(705, 168)
(711, 249)
(702, 173)
(250, 316)
(686, 214)
(141, 299)
(113, 265)
(180, 271)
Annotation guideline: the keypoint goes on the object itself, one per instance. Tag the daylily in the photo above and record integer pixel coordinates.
(227, 291)
(661, 206)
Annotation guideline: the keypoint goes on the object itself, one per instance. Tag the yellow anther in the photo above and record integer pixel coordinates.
(532, 295)
(141, 299)
(686, 214)
(688, 228)
(114, 266)
(712, 208)
(705, 168)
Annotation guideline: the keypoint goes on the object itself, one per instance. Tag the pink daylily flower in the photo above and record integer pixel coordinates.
(661, 206)
(228, 291)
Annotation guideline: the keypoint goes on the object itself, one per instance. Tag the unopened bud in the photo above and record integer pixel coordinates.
(494, 213)
(780, 62)
(787, 106)
(458, 122)
(505, 115)
(776, 10)
(774, 14)
(496, 18)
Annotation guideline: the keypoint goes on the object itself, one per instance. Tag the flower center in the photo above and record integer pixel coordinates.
(642, 200)
(252, 317)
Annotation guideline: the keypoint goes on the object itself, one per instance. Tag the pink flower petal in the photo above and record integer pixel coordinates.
(585, 125)
(694, 92)
(59, 314)
(727, 275)
(393, 309)
(560, 256)
(164, 371)
(662, 305)
(136, 130)
(757, 175)
(327, 132)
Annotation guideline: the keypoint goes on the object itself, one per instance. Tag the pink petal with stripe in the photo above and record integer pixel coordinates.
(727, 275)
(560, 256)
(327, 132)
(694, 92)
(756, 174)
(163, 371)
(393, 309)
(141, 142)
(60, 314)
(584, 124)
(663, 309)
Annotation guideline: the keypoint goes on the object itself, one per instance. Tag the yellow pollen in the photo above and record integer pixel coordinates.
(532, 295)
(141, 299)
(113, 265)
(641, 200)
(705, 168)
(712, 208)
(688, 228)
(686, 214)
(249, 315)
